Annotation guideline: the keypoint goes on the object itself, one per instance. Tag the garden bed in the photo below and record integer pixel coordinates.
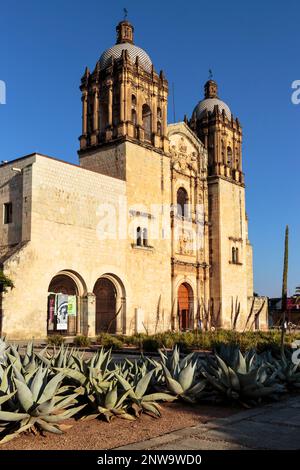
(96, 434)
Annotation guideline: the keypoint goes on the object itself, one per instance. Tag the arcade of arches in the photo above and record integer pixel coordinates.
(71, 309)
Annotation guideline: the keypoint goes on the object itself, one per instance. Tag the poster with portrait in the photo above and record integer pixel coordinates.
(62, 312)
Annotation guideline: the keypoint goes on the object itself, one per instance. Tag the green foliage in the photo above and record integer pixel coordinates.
(108, 341)
(82, 341)
(40, 389)
(239, 377)
(55, 340)
(5, 282)
(180, 376)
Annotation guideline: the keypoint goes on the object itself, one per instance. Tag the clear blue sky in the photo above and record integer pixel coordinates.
(252, 48)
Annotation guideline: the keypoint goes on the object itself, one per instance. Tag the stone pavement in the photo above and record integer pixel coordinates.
(274, 427)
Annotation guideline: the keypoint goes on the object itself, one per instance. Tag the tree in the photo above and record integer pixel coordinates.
(284, 286)
(5, 282)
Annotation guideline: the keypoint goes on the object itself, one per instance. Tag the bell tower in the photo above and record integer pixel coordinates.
(220, 133)
(124, 97)
(230, 252)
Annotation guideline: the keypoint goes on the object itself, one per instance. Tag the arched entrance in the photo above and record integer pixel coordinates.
(107, 308)
(185, 306)
(65, 292)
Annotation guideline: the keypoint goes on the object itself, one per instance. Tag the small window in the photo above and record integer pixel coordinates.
(133, 100)
(145, 237)
(237, 255)
(139, 236)
(233, 255)
(182, 202)
(7, 219)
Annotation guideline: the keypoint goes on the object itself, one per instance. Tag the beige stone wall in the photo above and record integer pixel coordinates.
(65, 200)
(15, 187)
(229, 281)
(65, 219)
(149, 270)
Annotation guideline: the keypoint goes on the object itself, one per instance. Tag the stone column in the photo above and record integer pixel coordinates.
(96, 111)
(110, 103)
(84, 112)
(91, 314)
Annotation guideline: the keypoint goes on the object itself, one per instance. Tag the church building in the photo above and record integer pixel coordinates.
(148, 233)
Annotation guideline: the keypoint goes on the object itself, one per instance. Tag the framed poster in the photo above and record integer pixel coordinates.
(62, 312)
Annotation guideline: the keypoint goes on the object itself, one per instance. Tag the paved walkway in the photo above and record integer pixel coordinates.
(274, 427)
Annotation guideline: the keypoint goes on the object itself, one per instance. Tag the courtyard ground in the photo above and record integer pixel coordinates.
(182, 427)
(271, 427)
(96, 434)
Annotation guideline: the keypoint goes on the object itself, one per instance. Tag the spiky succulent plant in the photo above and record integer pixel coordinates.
(241, 378)
(42, 404)
(140, 400)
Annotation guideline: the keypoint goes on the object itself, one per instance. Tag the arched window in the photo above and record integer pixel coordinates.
(139, 236)
(229, 156)
(236, 255)
(182, 202)
(133, 100)
(145, 237)
(146, 116)
(158, 113)
(233, 255)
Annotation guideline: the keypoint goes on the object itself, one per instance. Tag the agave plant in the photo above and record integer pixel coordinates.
(91, 377)
(241, 378)
(42, 405)
(180, 376)
(140, 401)
(110, 404)
(286, 370)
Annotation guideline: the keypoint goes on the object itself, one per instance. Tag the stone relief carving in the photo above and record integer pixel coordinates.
(185, 244)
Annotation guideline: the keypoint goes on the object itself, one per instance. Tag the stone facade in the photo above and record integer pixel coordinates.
(149, 232)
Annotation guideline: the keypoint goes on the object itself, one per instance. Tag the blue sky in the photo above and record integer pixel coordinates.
(252, 48)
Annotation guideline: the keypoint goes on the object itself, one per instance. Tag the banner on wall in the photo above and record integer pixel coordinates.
(72, 306)
(61, 312)
(51, 311)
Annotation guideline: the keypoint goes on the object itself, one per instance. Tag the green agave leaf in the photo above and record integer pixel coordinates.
(46, 407)
(159, 397)
(174, 386)
(5, 398)
(198, 387)
(122, 399)
(152, 408)
(126, 385)
(36, 384)
(48, 427)
(55, 418)
(186, 376)
(127, 416)
(111, 398)
(235, 383)
(143, 384)
(24, 395)
(51, 387)
(9, 416)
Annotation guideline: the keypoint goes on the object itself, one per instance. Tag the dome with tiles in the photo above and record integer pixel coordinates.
(210, 101)
(125, 41)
